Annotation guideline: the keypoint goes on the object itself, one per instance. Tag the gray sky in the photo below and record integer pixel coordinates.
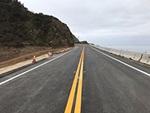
(103, 22)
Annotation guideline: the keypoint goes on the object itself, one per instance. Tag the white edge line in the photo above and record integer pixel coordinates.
(123, 63)
(1, 83)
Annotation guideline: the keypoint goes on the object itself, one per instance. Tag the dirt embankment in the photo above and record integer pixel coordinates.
(10, 56)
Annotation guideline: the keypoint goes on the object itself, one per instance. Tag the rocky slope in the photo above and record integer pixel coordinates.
(20, 27)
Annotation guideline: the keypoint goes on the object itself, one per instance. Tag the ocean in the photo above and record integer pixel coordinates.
(140, 49)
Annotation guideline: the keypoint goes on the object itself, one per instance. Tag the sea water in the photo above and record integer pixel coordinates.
(140, 49)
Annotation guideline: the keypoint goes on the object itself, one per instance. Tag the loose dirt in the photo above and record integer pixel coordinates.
(10, 56)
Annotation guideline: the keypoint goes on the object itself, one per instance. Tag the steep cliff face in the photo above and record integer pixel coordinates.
(49, 31)
(20, 27)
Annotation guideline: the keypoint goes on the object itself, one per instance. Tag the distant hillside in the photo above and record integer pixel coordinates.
(82, 42)
(20, 27)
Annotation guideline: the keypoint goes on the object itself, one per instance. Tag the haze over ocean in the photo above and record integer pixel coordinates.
(140, 49)
(135, 44)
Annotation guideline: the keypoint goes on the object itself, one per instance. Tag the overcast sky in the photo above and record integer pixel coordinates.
(102, 22)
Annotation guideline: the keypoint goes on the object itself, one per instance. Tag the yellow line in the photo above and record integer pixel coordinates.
(79, 92)
(72, 92)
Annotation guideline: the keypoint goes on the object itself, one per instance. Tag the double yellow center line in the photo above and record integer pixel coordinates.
(79, 74)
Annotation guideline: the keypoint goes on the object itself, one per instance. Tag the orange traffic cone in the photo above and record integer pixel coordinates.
(34, 59)
(49, 54)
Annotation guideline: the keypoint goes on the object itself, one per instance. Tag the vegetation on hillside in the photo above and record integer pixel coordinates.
(20, 27)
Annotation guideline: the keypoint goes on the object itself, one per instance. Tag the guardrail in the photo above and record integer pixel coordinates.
(140, 57)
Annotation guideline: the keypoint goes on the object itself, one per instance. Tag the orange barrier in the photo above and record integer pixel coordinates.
(34, 59)
(49, 53)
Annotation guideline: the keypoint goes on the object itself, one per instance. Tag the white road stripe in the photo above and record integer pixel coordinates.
(124, 63)
(1, 83)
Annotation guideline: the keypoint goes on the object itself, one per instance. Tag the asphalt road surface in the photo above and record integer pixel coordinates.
(82, 80)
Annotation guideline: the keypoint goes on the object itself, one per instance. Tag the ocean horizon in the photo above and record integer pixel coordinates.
(140, 49)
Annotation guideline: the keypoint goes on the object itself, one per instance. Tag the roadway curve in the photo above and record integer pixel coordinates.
(108, 86)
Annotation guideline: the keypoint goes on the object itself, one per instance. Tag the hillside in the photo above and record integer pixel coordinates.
(20, 27)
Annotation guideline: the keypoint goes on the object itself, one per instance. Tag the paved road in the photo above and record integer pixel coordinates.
(107, 86)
